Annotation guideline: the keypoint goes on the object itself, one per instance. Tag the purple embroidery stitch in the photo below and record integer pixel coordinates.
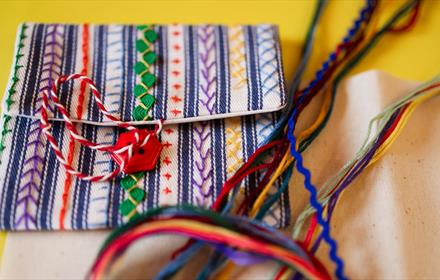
(202, 131)
(32, 164)
(203, 168)
(207, 67)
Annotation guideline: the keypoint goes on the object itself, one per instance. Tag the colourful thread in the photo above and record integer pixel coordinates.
(242, 240)
(12, 90)
(32, 165)
(79, 112)
(237, 56)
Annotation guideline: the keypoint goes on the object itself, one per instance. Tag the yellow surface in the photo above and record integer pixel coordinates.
(414, 55)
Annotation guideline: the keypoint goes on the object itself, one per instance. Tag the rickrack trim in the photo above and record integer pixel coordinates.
(142, 68)
(140, 113)
(135, 194)
(12, 90)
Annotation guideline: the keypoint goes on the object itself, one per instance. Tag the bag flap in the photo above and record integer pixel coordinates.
(194, 72)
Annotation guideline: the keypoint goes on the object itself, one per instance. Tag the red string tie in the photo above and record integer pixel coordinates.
(135, 151)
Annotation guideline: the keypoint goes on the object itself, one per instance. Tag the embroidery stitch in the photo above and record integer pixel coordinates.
(176, 77)
(268, 63)
(206, 100)
(203, 165)
(11, 90)
(31, 176)
(233, 142)
(96, 205)
(207, 67)
(237, 56)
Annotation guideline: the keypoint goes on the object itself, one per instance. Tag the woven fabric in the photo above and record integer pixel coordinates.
(204, 72)
(221, 72)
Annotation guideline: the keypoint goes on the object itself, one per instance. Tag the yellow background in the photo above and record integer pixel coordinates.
(414, 55)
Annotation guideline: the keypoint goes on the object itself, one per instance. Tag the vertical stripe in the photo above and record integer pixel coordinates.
(191, 82)
(13, 170)
(26, 46)
(218, 146)
(129, 81)
(51, 172)
(186, 165)
(176, 71)
(237, 64)
(33, 71)
(160, 71)
(254, 90)
(223, 98)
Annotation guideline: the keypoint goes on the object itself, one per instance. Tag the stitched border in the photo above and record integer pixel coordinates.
(11, 90)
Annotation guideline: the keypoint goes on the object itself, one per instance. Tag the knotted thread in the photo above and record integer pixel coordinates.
(46, 128)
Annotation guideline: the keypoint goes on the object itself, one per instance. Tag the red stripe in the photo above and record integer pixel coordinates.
(79, 111)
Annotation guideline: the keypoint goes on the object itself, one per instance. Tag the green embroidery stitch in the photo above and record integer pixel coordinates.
(12, 90)
(140, 112)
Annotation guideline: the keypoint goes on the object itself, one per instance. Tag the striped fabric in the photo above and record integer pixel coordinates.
(216, 71)
(204, 74)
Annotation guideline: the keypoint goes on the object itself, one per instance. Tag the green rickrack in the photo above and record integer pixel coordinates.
(140, 113)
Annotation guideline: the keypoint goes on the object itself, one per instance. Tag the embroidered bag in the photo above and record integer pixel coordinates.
(217, 90)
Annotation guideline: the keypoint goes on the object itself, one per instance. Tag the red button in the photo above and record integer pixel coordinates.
(143, 158)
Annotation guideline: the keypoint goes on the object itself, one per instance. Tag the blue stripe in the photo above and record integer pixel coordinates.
(69, 54)
(186, 163)
(7, 197)
(18, 151)
(50, 169)
(160, 71)
(223, 92)
(35, 66)
(89, 132)
(191, 74)
(129, 80)
(115, 196)
(47, 195)
(254, 90)
(33, 70)
(129, 35)
(248, 145)
(218, 157)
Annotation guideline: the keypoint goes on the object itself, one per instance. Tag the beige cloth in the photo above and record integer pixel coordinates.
(387, 223)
